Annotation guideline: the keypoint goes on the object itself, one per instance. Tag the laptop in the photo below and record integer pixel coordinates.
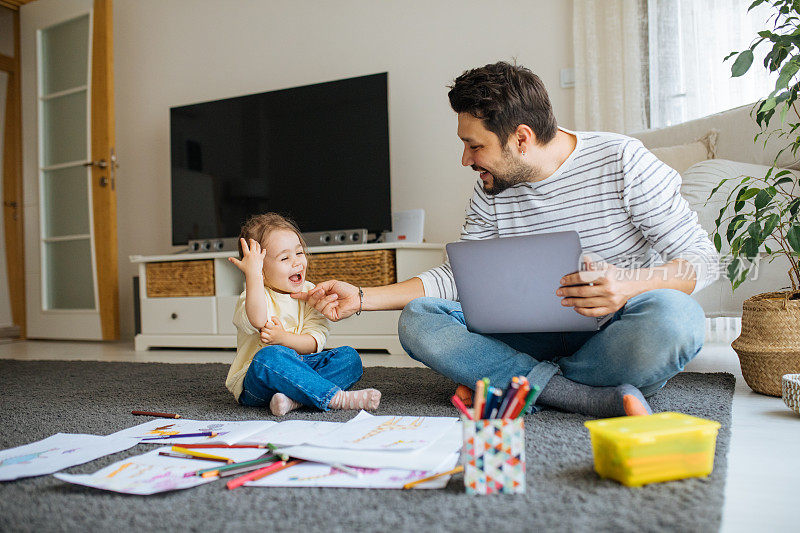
(508, 285)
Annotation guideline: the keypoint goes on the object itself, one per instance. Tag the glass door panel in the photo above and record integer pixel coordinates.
(68, 281)
(65, 202)
(64, 55)
(64, 129)
(68, 274)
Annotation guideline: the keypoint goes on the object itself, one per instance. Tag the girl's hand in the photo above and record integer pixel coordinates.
(273, 332)
(252, 262)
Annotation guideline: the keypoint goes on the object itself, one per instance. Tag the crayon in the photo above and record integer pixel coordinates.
(480, 398)
(261, 472)
(153, 413)
(201, 455)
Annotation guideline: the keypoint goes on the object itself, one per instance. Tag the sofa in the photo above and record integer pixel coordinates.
(704, 151)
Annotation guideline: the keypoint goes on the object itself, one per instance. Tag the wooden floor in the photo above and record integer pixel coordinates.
(763, 462)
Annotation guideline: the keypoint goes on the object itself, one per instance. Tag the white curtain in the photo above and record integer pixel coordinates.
(687, 41)
(610, 42)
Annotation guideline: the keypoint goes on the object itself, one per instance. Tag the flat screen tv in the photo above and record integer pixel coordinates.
(318, 154)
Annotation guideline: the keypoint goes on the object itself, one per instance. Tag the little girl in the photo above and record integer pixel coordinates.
(280, 359)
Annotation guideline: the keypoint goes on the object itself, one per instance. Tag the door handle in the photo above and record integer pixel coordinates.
(99, 164)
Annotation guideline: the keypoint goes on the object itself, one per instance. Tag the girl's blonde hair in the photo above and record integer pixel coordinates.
(258, 228)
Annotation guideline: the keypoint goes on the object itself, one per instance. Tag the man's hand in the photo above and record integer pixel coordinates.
(252, 262)
(600, 290)
(334, 299)
(273, 332)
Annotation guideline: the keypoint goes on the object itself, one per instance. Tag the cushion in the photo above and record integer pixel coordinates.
(683, 156)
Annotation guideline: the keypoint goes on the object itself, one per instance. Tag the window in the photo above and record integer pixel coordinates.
(688, 40)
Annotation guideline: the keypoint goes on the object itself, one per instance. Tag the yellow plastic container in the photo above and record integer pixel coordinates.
(636, 450)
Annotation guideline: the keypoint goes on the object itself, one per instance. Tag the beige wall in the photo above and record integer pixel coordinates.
(176, 52)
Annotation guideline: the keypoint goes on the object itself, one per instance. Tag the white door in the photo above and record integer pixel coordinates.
(63, 299)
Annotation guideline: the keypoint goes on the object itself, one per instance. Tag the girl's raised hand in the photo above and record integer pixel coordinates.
(252, 261)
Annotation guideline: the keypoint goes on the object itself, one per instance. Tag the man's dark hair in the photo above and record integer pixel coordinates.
(505, 96)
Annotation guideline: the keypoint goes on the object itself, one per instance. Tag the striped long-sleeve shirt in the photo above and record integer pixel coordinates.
(622, 201)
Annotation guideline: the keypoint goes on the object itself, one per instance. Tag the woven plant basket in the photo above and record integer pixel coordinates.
(364, 269)
(769, 345)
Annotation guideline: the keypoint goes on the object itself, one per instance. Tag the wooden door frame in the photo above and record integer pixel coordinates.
(13, 219)
(104, 194)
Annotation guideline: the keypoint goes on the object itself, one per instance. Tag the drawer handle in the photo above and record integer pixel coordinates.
(173, 316)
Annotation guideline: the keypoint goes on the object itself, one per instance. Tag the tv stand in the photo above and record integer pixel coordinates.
(197, 311)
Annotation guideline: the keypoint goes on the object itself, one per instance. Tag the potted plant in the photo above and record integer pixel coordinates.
(759, 219)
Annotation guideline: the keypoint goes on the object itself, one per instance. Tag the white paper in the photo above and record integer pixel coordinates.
(292, 432)
(427, 458)
(57, 452)
(386, 433)
(321, 475)
(151, 473)
(227, 432)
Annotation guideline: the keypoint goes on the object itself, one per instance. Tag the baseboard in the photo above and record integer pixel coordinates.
(9, 332)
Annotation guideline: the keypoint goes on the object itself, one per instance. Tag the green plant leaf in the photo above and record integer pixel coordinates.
(742, 63)
(787, 73)
(754, 229)
(717, 242)
(750, 248)
(769, 226)
(793, 236)
(755, 4)
(763, 198)
(733, 227)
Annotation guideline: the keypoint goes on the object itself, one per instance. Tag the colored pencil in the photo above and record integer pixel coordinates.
(480, 398)
(261, 472)
(528, 402)
(180, 436)
(178, 455)
(456, 401)
(244, 469)
(497, 397)
(214, 471)
(220, 445)
(508, 394)
(201, 455)
(516, 403)
(153, 413)
(456, 470)
(346, 469)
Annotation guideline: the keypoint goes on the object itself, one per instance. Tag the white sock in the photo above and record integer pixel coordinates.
(368, 399)
(280, 404)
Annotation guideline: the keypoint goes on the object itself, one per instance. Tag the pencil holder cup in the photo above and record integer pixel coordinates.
(494, 456)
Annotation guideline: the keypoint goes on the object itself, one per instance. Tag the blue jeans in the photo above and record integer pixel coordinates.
(309, 379)
(646, 342)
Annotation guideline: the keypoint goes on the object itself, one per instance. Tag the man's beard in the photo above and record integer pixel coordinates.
(514, 173)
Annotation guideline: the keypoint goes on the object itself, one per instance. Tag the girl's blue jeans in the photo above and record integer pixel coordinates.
(646, 342)
(312, 379)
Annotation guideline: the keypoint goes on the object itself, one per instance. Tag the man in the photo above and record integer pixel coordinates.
(536, 178)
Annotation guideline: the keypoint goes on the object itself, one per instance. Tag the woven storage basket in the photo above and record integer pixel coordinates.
(364, 269)
(180, 278)
(769, 345)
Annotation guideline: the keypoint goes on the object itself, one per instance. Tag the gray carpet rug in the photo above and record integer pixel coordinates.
(40, 398)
